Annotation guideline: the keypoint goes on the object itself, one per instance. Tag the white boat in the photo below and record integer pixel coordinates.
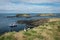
(13, 25)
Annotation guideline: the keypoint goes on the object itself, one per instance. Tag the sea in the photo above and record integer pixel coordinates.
(4, 21)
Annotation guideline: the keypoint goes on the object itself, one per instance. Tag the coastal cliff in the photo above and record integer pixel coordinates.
(48, 31)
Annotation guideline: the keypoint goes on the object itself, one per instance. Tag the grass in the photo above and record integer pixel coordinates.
(8, 36)
(27, 33)
(48, 31)
(57, 38)
(58, 28)
(33, 31)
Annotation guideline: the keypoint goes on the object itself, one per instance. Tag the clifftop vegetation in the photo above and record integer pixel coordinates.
(48, 31)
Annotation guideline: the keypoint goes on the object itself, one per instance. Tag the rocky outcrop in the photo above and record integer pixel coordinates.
(33, 23)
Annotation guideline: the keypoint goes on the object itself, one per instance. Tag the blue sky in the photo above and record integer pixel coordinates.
(29, 6)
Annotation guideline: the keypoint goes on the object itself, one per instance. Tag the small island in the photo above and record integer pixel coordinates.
(23, 15)
(46, 14)
(20, 15)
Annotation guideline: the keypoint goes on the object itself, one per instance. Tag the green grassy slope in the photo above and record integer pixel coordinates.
(48, 31)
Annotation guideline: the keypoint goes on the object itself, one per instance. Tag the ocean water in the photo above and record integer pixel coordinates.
(4, 22)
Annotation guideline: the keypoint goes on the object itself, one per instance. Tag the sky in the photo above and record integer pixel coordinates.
(29, 6)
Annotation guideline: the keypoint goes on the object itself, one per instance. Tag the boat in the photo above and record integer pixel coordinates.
(13, 25)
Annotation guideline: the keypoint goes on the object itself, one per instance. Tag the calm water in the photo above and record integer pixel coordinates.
(4, 22)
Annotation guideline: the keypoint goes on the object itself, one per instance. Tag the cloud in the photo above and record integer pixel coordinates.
(28, 9)
(30, 6)
(56, 9)
(36, 1)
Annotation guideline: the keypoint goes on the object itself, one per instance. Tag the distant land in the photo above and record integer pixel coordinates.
(28, 15)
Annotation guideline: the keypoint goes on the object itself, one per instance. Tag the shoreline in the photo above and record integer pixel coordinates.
(39, 31)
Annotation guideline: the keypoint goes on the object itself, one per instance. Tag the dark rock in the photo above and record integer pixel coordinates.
(33, 23)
